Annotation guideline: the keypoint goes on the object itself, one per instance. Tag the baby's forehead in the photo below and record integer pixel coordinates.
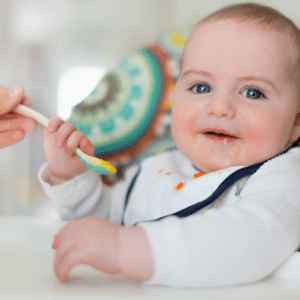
(242, 25)
(289, 44)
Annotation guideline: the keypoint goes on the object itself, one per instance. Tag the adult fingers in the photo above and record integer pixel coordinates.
(26, 101)
(10, 98)
(13, 129)
(11, 137)
(16, 122)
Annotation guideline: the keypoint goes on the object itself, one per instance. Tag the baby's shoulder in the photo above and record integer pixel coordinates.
(279, 172)
(288, 162)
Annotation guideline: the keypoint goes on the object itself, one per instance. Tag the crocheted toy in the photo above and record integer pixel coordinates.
(127, 115)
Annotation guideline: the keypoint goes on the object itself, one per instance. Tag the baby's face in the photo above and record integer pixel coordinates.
(237, 98)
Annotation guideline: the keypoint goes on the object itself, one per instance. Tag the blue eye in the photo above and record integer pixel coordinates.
(253, 93)
(201, 89)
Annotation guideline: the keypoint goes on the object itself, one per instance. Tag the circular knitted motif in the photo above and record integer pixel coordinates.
(128, 115)
(122, 106)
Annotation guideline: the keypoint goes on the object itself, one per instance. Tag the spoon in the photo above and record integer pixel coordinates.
(95, 164)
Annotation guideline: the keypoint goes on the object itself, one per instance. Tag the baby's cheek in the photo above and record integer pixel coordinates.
(258, 124)
(262, 140)
(185, 115)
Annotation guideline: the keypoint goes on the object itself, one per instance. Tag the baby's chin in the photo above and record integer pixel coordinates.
(214, 162)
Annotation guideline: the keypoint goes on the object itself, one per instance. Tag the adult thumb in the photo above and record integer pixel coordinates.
(10, 98)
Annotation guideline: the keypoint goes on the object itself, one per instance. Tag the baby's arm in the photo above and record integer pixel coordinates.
(86, 195)
(235, 244)
(104, 245)
(60, 142)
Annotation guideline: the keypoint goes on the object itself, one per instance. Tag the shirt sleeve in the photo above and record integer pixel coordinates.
(75, 198)
(234, 244)
(86, 195)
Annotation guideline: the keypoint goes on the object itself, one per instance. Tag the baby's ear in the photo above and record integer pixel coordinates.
(296, 130)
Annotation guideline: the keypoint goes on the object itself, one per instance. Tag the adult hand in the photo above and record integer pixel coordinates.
(13, 127)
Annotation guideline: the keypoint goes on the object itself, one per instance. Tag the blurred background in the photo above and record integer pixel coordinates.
(60, 49)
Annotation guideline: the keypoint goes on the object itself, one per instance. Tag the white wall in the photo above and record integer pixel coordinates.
(40, 39)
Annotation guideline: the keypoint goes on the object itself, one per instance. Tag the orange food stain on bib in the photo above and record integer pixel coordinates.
(198, 175)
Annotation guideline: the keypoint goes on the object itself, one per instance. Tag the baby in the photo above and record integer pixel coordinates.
(222, 209)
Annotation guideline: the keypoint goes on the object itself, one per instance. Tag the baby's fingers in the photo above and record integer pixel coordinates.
(64, 132)
(65, 262)
(66, 232)
(87, 147)
(54, 124)
(73, 142)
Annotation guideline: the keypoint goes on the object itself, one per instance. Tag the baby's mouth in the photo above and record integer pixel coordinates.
(220, 137)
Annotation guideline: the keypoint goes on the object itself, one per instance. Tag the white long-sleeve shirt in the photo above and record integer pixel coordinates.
(243, 236)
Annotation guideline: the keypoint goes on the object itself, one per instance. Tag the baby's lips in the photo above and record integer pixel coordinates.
(218, 131)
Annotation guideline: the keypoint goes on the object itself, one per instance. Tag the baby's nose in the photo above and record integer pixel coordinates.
(220, 107)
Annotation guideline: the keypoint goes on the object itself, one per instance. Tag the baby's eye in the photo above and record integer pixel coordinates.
(253, 93)
(201, 88)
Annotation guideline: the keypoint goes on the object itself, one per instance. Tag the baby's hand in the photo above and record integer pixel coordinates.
(60, 142)
(91, 241)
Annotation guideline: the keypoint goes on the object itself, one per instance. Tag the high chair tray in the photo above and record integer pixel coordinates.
(26, 272)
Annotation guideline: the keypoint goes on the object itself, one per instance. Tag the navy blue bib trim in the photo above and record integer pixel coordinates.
(225, 184)
(129, 192)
